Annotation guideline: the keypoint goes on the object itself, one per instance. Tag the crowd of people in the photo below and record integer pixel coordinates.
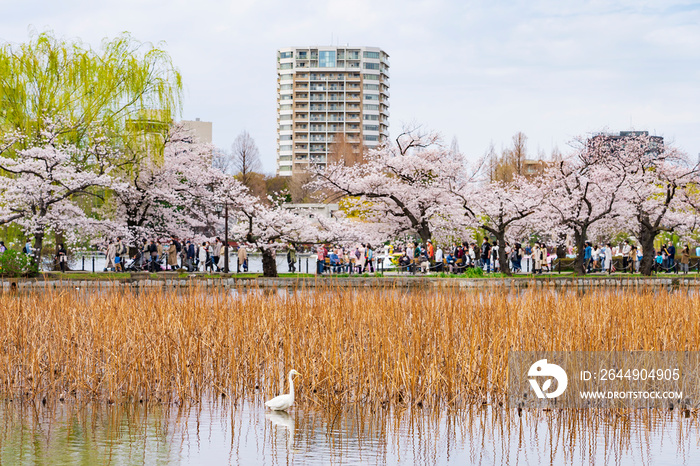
(600, 258)
(157, 256)
(535, 258)
(413, 257)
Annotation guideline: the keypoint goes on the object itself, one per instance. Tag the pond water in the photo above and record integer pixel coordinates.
(305, 263)
(216, 433)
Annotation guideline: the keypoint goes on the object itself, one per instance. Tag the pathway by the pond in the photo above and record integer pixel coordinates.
(175, 280)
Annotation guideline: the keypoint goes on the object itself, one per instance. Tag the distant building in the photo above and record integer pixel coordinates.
(534, 167)
(202, 129)
(325, 92)
(314, 209)
(655, 142)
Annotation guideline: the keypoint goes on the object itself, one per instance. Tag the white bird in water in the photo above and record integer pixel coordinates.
(283, 402)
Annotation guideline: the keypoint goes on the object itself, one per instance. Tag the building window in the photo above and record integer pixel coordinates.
(285, 168)
(370, 107)
(374, 77)
(285, 148)
(285, 127)
(286, 77)
(371, 66)
(371, 117)
(371, 55)
(287, 137)
(285, 87)
(286, 97)
(371, 97)
(286, 107)
(367, 137)
(285, 66)
(371, 87)
(285, 117)
(301, 54)
(326, 59)
(370, 127)
(286, 55)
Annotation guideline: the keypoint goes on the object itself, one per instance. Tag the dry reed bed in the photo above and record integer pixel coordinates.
(425, 348)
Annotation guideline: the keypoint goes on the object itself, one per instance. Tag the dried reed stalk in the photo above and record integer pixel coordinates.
(444, 347)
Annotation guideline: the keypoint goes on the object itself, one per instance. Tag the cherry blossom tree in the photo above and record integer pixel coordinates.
(172, 196)
(501, 208)
(586, 191)
(655, 193)
(404, 186)
(267, 227)
(43, 183)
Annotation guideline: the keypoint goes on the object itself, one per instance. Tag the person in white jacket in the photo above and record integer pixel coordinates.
(203, 257)
(608, 257)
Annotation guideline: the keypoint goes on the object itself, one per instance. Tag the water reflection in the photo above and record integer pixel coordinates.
(219, 433)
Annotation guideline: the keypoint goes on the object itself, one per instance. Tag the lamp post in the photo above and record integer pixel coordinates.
(219, 208)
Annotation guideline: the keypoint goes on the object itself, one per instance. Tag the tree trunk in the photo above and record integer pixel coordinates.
(38, 245)
(646, 238)
(424, 233)
(58, 239)
(268, 262)
(502, 256)
(580, 242)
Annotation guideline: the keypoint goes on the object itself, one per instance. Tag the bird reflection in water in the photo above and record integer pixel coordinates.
(284, 420)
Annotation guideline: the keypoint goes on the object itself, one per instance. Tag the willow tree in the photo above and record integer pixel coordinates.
(126, 88)
(125, 93)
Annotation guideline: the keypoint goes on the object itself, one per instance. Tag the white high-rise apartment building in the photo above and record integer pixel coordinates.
(326, 92)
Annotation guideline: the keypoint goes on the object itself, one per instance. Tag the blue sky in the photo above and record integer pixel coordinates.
(478, 71)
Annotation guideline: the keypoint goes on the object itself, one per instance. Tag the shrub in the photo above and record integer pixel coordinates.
(16, 264)
(473, 272)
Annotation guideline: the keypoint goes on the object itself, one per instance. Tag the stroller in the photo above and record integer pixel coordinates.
(134, 264)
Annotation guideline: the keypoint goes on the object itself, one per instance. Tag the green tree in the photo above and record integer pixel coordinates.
(127, 89)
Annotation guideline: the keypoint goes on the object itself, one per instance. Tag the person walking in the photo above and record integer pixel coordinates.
(216, 253)
(242, 259)
(632, 259)
(486, 255)
(536, 259)
(109, 256)
(439, 264)
(62, 257)
(161, 254)
(190, 255)
(671, 252)
(608, 258)
(685, 259)
(172, 255)
(291, 258)
(153, 256)
(626, 248)
(370, 259)
(587, 257)
(203, 257)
